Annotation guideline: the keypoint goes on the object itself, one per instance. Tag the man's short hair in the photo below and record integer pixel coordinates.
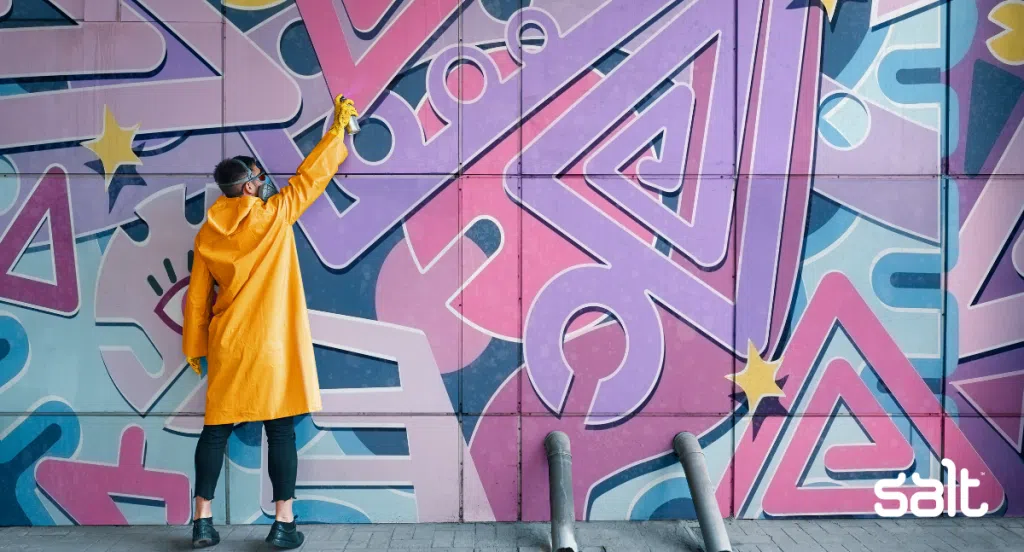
(229, 173)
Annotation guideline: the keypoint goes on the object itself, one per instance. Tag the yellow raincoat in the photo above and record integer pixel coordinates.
(256, 335)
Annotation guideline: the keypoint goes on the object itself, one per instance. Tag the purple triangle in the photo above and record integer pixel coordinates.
(1000, 399)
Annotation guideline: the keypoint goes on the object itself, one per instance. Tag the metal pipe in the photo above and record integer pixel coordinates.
(563, 512)
(712, 527)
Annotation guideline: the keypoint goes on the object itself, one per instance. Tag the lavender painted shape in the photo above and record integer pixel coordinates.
(649, 275)
(382, 203)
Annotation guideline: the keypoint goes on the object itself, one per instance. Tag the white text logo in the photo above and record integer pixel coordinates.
(932, 495)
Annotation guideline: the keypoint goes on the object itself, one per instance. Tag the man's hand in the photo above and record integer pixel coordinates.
(344, 109)
(194, 363)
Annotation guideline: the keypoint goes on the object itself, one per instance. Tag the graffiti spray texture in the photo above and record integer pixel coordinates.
(792, 228)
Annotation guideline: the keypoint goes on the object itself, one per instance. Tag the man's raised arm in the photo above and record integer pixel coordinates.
(317, 168)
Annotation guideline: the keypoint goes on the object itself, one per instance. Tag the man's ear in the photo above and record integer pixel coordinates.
(251, 188)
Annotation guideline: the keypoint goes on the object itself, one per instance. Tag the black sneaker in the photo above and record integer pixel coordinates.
(203, 533)
(285, 535)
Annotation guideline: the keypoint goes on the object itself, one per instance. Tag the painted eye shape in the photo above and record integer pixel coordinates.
(170, 308)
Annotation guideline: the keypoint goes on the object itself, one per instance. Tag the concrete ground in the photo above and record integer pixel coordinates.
(956, 535)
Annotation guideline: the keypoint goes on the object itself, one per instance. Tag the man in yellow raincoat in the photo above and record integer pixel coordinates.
(254, 329)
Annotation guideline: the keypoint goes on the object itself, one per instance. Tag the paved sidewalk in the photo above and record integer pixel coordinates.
(957, 535)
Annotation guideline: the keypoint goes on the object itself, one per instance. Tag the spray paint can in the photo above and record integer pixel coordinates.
(353, 123)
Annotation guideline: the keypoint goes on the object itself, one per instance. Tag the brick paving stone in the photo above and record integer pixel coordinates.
(781, 539)
(750, 539)
(904, 535)
(954, 536)
(750, 527)
(359, 539)
(837, 534)
(612, 547)
(798, 534)
(403, 532)
(379, 539)
(325, 546)
(412, 544)
(485, 531)
(533, 535)
(464, 539)
(868, 536)
(443, 539)
(506, 532)
(662, 536)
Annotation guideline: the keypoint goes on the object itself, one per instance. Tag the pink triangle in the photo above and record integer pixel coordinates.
(50, 199)
(1000, 398)
(888, 451)
(837, 303)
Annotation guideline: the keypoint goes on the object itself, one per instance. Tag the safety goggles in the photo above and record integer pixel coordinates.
(249, 176)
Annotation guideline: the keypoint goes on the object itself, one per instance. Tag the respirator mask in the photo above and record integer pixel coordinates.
(266, 187)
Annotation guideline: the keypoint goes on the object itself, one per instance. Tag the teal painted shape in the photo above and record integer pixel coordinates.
(994, 94)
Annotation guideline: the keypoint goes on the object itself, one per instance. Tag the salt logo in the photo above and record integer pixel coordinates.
(933, 495)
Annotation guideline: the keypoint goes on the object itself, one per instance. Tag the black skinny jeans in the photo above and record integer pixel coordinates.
(283, 457)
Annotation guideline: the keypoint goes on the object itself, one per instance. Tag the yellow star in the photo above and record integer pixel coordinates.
(757, 380)
(113, 146)
(830, 7)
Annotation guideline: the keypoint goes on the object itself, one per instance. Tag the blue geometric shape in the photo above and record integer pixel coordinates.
(503, 9)
(246, 19)
(384, 441)
(411, 85)
(628, 474)
(854, 126)
(244, 445)
(845, 36)
(669, 499)
(347, 370)
(51, 430)
(914, 76)
(994, 94)
(246, 441)
(374, 141)
(14, 349)
(827, 221)
(297, 50)
(482, 377)
(486, 235)
(909, 280)
(34, 13)
(9, 183)
(610, 61)
(322, 511)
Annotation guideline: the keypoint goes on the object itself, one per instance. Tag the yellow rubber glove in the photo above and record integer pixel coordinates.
(194, 363)
(343, 110)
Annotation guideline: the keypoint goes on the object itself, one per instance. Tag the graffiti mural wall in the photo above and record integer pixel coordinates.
(793, 228)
